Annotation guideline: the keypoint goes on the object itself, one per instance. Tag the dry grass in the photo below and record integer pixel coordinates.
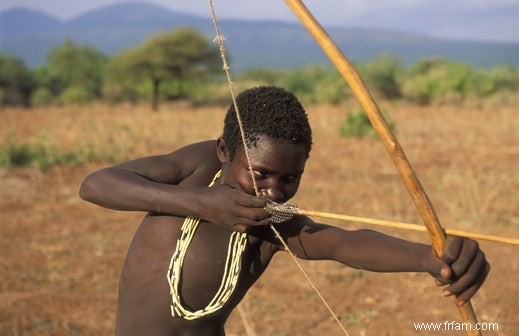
(61, 257)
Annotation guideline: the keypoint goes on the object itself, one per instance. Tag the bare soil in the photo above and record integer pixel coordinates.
(60, 257)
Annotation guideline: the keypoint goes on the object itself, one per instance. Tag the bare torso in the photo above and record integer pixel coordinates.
(144, 294)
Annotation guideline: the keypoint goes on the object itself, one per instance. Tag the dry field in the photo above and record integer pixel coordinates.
(60, 257)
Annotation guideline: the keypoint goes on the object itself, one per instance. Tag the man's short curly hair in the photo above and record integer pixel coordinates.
(270, 111)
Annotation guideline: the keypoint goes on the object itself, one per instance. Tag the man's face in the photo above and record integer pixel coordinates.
(277, 166)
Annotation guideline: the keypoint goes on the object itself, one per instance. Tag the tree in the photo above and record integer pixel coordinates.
(15, 81)
(73, 67)
(180, 55)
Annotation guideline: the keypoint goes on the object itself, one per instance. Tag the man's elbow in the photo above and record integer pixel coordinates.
(89, 188)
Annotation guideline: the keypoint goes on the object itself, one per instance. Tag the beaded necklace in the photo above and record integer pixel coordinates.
(237, 244)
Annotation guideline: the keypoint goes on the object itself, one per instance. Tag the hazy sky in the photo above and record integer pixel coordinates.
(496, 20)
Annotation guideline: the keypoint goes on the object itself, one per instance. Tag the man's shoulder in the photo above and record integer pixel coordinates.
(205, 145)
(194, 154)
(198, 152)
(196, 163)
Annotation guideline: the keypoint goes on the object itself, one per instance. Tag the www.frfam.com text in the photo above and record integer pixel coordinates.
(454, 326)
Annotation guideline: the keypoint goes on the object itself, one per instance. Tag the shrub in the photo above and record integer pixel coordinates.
(357, 125)
(76, 95)
(315, 84)
(311, 84)
(41, 97)
(41, 154)
(436, 80)
(16, 154)
(417, 90)
(504, 78)
(382, 75)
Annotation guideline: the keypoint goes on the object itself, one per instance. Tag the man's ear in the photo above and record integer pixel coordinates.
(222, 151)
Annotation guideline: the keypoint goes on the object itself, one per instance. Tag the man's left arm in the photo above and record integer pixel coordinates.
(461, 270)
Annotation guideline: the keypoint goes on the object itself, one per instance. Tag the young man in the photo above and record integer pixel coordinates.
(183, 276)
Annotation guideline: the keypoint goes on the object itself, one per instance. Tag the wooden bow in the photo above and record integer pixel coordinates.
(395, 151)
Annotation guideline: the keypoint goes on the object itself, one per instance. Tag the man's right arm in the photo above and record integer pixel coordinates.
(152, 184)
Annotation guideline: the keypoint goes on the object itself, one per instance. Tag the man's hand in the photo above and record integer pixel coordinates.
(462, 269)
(226, 206)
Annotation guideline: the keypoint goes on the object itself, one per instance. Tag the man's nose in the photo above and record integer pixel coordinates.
(273, 194)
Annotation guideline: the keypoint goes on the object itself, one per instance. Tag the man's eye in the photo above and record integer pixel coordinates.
(291, 179)
(260, 175)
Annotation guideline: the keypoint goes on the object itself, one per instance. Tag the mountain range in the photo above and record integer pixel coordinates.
(31, 34)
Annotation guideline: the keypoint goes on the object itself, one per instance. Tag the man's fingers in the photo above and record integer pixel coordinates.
(442, 281)
(466, 257)
(243, 199)
(453, 247)
(469, 292)
(252, 214)
(251, 201)
(470, 278)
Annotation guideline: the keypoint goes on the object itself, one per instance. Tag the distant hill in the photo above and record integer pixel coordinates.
(30, 35)
(22, 21)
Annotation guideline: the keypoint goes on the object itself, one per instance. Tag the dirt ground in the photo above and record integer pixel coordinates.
(60, 257)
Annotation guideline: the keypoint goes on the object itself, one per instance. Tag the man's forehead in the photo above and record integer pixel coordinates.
(263, 142)
(268, 151)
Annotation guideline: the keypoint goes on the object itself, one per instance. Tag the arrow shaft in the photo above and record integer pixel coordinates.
(407, 226)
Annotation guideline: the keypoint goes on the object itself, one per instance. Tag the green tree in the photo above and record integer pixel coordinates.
(73, 67)
(178, 57)
(15, 81)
